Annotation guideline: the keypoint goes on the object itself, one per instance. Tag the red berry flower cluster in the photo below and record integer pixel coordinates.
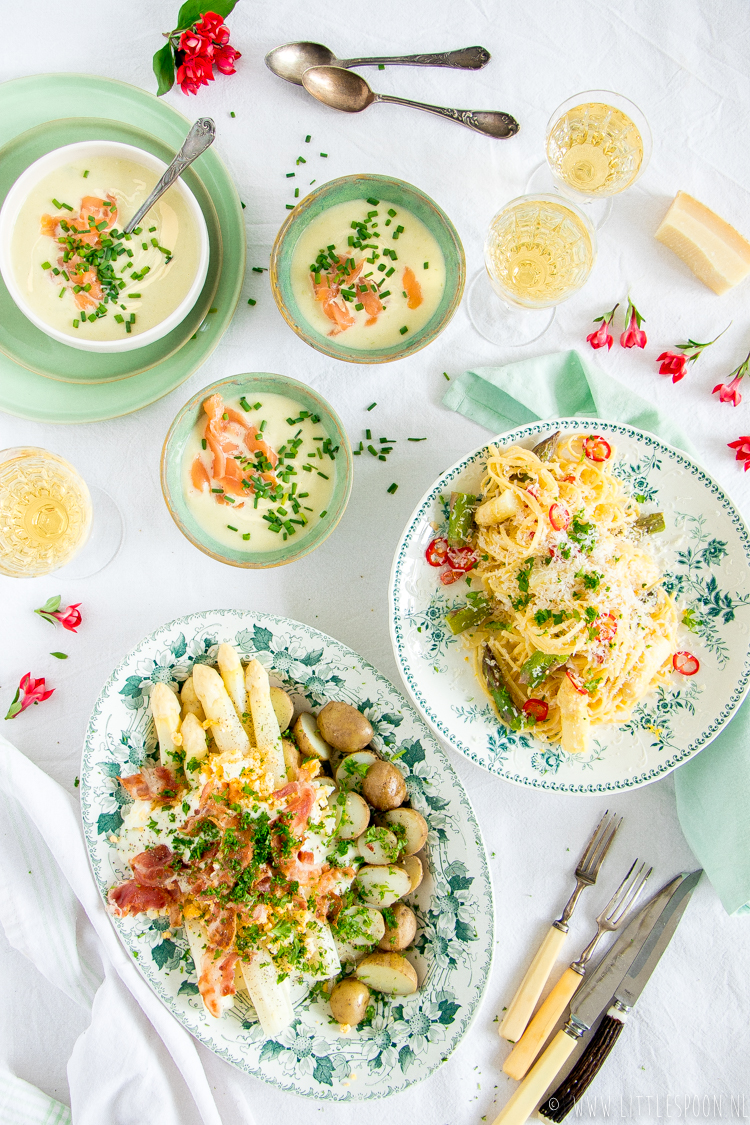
(199, 43)
(204, 46)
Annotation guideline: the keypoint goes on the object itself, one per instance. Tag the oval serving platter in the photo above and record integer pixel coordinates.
(705, 555)
(405, 1039)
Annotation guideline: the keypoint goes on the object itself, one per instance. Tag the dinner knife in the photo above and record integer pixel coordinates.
(595, 996)
(560, 1103)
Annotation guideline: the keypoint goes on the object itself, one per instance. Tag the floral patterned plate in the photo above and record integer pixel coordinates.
(406, 1039)
(705, 554)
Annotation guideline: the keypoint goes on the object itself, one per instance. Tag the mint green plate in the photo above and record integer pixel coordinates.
(402, 195)
(252, 384)
(25, 104)
(22, 341)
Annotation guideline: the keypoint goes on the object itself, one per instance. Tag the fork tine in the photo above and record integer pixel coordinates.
(595, 855)
(591, 845)
(625, 895)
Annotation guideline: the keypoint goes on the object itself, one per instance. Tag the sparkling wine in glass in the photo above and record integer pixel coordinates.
(540, 249)
(598, 144)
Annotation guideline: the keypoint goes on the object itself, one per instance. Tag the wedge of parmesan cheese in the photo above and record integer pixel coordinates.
(716, 253)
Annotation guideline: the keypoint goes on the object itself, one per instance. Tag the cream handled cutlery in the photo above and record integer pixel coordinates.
(626, 968)
(530, 989)
(537, 1032)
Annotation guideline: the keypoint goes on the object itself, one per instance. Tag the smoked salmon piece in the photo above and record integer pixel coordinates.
(230, 439)
(199, 475)
(412, 289)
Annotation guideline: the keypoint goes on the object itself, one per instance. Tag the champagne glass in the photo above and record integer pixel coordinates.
(598, 144)
(50, 519)
(540, 249)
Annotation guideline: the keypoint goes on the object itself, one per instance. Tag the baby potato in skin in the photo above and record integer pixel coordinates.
(354, 815)
(308, 738)
(378, 846)
(382, 886)
(282, 706)
(349, 1000)
(414, 828)
(384, 786)
(388, 972)
(344, 727)
(400, 928)
(412, 865)
(292, 758)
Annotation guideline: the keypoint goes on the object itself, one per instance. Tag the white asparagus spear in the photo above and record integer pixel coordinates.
(194, 744)
(196, 935)
(271, 1000)
(190, 701)
(230, 667)
(228, 732)
(265, 723)
(165, 708)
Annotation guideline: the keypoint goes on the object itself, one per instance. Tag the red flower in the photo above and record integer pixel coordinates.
(742, 450)
(633, 336)
(674, 364)
(602, 338)
(213, 26)
(69, 618)
(224, 59)
(728, 392)
(28, 691)
(195, 71)
(194, 44)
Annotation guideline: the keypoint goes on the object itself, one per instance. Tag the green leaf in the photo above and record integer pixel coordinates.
(132, 686)
(15, 706)
(413, 753)
(447, 1012)
(465, 932)
(111, 769)
(262, 638)
(270, 1050)
(192, 10)
(164, 952)
(405, 1058)
(460, 883)
(60, 655)
(323, 1072)
(164, 69)
(51, 605)
(312, 658)
(108, 823)
(178, 648)
(188, 988)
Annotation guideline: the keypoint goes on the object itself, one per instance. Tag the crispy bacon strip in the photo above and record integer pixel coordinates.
(216, 980)
(154, 783)
(133, 898)
(301, 796)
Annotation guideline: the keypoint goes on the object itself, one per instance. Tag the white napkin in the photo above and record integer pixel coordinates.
(133, 1056)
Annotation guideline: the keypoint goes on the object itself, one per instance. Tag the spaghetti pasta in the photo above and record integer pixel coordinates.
(577, 625)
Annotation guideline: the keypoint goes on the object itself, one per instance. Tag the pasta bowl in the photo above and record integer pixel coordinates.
(704, 554)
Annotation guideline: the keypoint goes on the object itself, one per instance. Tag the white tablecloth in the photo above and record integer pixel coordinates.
(686, 64)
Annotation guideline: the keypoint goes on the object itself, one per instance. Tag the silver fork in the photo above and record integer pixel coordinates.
(530, 989)
(611, 917)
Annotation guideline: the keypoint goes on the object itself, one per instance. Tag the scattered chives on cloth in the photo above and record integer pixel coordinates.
(713, 788)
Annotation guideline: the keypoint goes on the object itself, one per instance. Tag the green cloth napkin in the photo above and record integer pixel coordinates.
(713, 788)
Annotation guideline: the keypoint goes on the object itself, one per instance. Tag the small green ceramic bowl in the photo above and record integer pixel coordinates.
(401, 194)
(251, 385)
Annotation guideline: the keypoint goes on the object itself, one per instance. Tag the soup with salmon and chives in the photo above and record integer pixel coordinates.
(256, 474)
(76, 269)
(367, 273)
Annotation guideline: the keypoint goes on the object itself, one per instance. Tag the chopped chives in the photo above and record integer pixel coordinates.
(262, 426)
(61, 291)
(390, 271)
(308, 138)
(203, 443)
(381, 66)
(301, 160)
(151, 230)
(133, 296)
(359, 307)
(132, 318)
(127, 325)
(290, 174)
(55, 271)
(242, 205)
(374, 202)
(392, 489)
(387, 222)
(119, 318)
(368, 435)
(296, 193)
(85, 174)
(75, 323)
(257, 405)
(246, 535)
(426, 265)
(391, 212)
(217, 490)
(46, 265)
(322, 475)
(447, 376)
(372, 404)
(231, 528)
(312, 182)
(155, 242)
(250, 301)
(144, 246)
(416, 439)
(289, 206)
(403, 330)
(210, 310)
(324, 154)
(56, 204)
(324, 513)
(231, 113)
(387, 292)
(381, 457)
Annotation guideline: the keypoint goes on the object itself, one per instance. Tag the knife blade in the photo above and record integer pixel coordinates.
(626, 994)
(596, 994)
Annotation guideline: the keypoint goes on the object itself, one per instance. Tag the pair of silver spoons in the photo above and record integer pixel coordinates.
(330, 81)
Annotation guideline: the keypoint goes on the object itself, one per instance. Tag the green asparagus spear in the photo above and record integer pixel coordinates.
(545, 450)
(498, 689)
(465, 616)
(536, 669)
(651, 524)
(461, 518)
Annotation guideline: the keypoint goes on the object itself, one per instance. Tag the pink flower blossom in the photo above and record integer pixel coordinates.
(674, 364)
(633, 336)
(742, 450)
(69, 618)
(602, 338)
(28, 691)
(729, 392)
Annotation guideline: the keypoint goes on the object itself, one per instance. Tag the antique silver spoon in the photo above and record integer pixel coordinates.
(342, 89)
(293, 59)
(202, 134)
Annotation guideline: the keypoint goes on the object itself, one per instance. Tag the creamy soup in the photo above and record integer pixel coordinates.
(258, 472)
(367, 273)
(76, 269)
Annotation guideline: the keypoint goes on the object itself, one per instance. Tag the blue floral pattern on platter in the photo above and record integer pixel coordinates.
(404, 1039)
(705, 556)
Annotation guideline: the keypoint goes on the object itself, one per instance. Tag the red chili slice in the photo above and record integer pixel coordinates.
(685, 663)
(559, 517)
(533, 490)
(461, 559)
(437, 552)
(607, 626)
(576, 681)
(597, 449)
(448, 576)
(536, 707)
